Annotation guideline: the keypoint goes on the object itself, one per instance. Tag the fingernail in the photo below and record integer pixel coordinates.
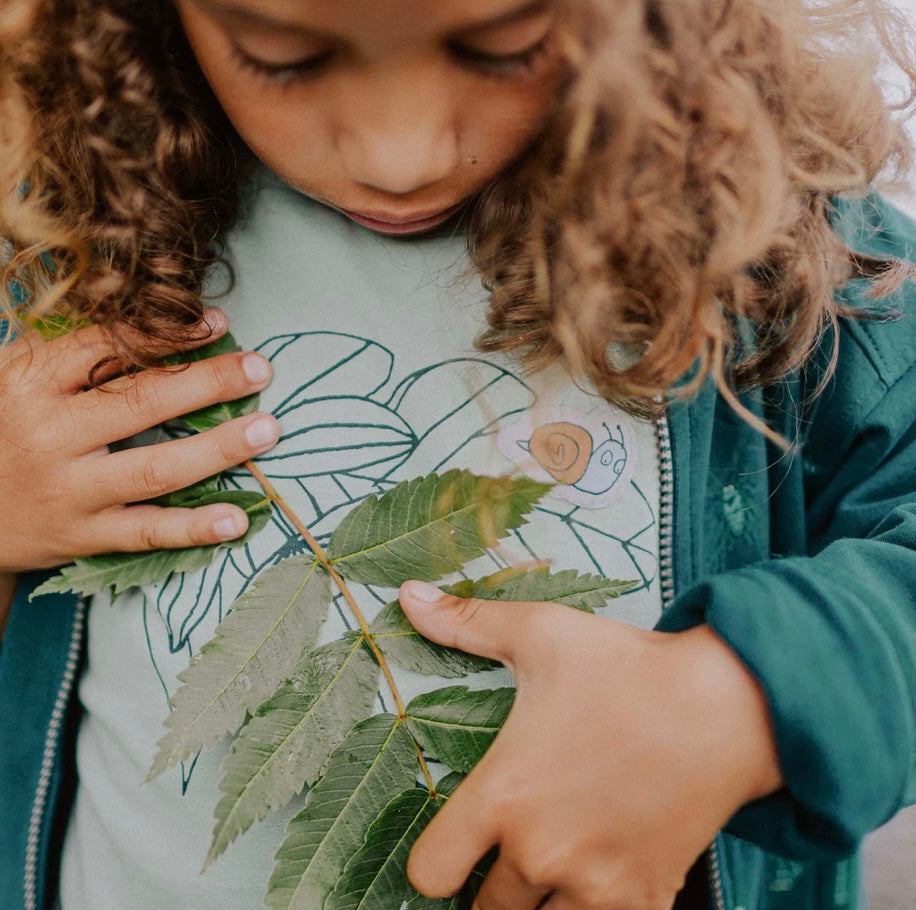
(262, 432)
(230, 527)
(255, 368)
(215, 318)
(422, 591)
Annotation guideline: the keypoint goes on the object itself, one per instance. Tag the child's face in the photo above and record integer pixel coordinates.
(393, 111)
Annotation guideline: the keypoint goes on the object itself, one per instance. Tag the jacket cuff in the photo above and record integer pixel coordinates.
(833, 673)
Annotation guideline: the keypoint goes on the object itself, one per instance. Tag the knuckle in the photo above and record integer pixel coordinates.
(155, 476)
(546, 867)
(466, 610)
(150, 536)
(142, 394)
(594, 886)
(226, 376)
(226, 451)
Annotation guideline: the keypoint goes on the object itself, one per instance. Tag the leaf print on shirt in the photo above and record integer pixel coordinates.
(351, 427)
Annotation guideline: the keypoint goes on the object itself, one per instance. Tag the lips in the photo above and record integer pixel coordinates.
(401, 223)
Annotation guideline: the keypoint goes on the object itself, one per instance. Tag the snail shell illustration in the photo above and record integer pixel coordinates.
(561, 449)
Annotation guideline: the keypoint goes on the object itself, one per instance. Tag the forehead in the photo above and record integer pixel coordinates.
(412, 18)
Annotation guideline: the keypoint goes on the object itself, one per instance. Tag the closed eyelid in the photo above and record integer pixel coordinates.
(507, 37)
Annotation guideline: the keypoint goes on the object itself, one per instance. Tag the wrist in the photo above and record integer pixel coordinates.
(735, 714)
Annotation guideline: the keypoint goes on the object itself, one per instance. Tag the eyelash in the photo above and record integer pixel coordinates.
(500, 66)
(282, 73)
(497, 66)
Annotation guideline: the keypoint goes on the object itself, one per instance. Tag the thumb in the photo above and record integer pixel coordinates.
(488, 628)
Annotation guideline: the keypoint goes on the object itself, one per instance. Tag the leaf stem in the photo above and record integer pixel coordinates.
(367, 635)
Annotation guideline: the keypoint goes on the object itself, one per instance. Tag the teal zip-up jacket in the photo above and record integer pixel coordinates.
(805, 564)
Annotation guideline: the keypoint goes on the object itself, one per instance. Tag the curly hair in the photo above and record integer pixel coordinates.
(119, 171)
(677, 203)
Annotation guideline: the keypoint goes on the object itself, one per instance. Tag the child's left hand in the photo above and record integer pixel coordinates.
(623, 755)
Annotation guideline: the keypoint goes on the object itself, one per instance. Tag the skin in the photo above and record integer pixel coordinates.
(417, 107)
(394, 112)
(393, 109)
(67, 494)
(624, 753)
(369, 108)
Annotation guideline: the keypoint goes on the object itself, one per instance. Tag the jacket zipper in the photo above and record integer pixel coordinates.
(715, 877)
(40, 807)
(666, 582)
(665, 510)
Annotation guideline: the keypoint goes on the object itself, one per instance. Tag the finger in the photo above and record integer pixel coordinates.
(131, 404)
(505, 888)
(68, 360)
(490, 628)
(133, 475)
(565, 901)
(452, 844)
(135, 529)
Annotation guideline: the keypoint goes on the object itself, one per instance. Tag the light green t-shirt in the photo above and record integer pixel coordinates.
(376, 380)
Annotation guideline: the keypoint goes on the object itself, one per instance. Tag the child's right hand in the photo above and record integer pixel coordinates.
(64, 493)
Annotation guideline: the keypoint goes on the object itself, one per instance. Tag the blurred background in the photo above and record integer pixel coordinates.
(891, 851)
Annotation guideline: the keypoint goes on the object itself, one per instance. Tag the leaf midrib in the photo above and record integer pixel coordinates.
(451, 725)
(267, 634)
(349, 802)
(388, 542)
(388, 861)
(272, 758)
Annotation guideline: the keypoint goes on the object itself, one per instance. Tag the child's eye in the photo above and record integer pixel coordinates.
(498, 65)
(282, 72)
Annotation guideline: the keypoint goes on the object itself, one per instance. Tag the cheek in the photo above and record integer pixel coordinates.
(282, 136)
(503, 128)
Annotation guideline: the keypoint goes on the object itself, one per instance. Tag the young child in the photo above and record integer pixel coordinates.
(665, 201)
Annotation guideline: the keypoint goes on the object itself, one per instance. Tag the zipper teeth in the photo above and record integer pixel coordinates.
(715, 877)
(665, 510)
(666, 577)
(52, 742)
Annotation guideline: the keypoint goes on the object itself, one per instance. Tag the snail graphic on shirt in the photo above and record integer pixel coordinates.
(568, 453)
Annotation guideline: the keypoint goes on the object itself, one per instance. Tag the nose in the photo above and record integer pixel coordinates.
(397, 135)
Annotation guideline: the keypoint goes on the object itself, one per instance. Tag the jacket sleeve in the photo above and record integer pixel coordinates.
(831, 636)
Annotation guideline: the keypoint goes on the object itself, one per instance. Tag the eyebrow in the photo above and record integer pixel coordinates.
(245, 16)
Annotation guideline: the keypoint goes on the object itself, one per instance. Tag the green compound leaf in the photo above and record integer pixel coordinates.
(402, 643)
(55, 325)
(374, 763)
(584, 592)
(456, 725)
(429, 527)
(188, 497)
(120, 571)
(375, 877)
(254, 649)
(399, 641)
(282, 749)
(215, 414)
